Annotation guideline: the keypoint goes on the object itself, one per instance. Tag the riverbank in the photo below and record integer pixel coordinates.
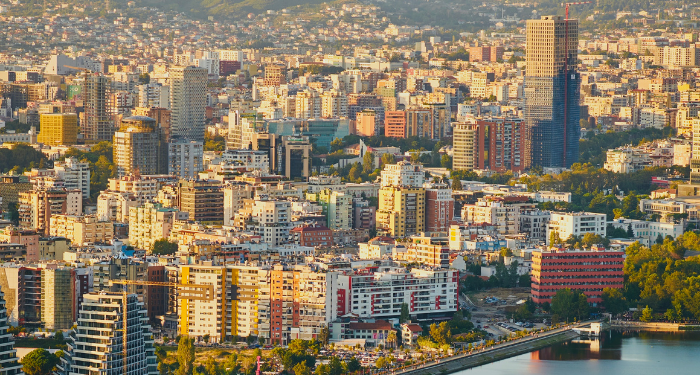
(493, 354)
(651, 326)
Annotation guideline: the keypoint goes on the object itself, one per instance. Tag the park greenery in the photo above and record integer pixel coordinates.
(163, 247)
(21, 158)
(101, 163)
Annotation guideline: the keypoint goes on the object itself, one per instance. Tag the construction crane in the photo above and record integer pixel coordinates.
(194, 292)
(566, 71)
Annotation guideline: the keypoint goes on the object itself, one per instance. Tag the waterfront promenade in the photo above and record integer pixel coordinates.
(482, 356)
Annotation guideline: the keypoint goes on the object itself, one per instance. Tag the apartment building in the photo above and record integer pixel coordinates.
(8, 355)
(401, 211)
(337, 207)
(428, 251)
(565, 224)
(93, 350)
(37, 206)
(82, 230)
(272, 220)
(380, 293)
(439, 207)
(202, 200)
(151, 222)
(584, 271)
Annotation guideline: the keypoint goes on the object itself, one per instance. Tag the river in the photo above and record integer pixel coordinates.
(617, 353)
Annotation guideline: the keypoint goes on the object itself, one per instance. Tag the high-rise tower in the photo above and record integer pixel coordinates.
(552, 89)
(188, 97)
(97, 124)
(98, 344)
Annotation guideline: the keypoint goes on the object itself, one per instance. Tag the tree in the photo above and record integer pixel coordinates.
(554, 238)
(440, 333)
(324, 335)
(405, 315)
(59, 336)
(614, 301)
(381, 362)
(211, 366)
(368, 162)
(39, 362)
(391, 338)
(164, 247)
(647, 315)
(388, 159)
(506, 252)
(185, 356)
(353, 365)
(630, 231)
(160, 353)
(456, 183)
(564, 304)
(301, 369)
(446, 161)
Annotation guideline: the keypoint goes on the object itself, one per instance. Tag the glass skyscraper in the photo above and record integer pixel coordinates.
(552, 90)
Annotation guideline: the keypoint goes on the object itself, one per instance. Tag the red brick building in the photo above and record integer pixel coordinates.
(587, 271)
(312, 235)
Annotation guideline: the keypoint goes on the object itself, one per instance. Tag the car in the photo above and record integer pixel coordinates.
(485, 327)
(478, 321)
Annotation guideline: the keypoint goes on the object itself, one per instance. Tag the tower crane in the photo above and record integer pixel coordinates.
(193, 292)
(566, 70)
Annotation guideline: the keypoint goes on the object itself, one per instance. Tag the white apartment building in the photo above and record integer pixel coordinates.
(185, 158)
(403, 174)
(334, 104)
(627, 160)
(649, 230)
(567, 224)
(534, 224)
(153, 95)
(251, 159)
(505, 217)
(428, 293)
(272, 220)
(375, 249)
(93, 351)
(75, 175)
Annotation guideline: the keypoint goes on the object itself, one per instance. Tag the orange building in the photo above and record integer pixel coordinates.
(395, 124)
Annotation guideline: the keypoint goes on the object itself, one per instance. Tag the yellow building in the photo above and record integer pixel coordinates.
(58, 129)
(82, 230)
(401, 211)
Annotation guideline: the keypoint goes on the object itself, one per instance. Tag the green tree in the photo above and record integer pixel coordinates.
(388, 159)
(456, 183)
(39, 362)
(565, 304)
(614, 301)
(446, 161)
(354, 365)
(211, 366)
(59, 336)
(506, 252)
(324, 335)
(301, 369)
(404, 317)
(185, 356)
(368, 162)
(647, 315)
(163, 247)
(440, 333)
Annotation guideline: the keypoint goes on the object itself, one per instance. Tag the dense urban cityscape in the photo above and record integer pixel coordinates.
(297, 187)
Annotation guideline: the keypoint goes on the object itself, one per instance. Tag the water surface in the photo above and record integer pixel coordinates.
(617, 353)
